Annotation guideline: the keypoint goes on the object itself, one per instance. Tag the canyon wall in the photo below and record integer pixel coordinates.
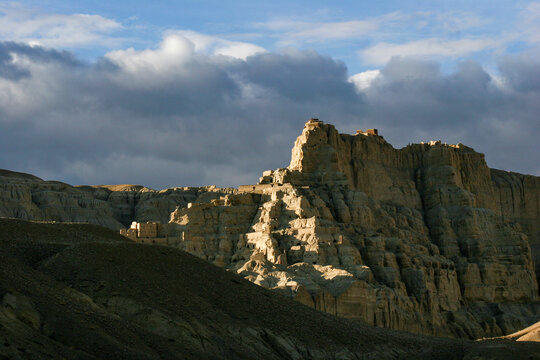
(414, 239)
(426, 238)
(28, 197)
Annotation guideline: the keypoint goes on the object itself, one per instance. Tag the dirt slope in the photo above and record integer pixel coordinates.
(80, 292)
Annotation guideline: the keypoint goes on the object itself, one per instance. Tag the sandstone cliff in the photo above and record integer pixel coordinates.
(28, 197)
(419, 239)
(426, 238)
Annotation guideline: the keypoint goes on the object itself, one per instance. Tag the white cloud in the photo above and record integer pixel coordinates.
(530, 23)
(381, 53)
(364, 79)
(458, 21)
(239, 50)
(213, 45)
(177, 49)
(173, 51)
(531, 12)
(33, 26)
(335, 30)
(393, 25)
(446, 21)
(291, 32)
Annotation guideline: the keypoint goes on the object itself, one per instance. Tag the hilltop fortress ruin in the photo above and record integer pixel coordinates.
(425, 238)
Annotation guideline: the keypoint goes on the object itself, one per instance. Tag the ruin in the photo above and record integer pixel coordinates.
(264, 188)
(368, 132)
(150, 232)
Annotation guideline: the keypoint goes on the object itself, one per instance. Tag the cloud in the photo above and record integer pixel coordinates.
(413, 101)
(212, 45)
(446, 22)
(521, 73)
(239, 50)
(529, 23)
(176, 52)
(302, 76)
(304, 31)
(173, 115)
(173, 52)
(183, 114)
(381, 53)
(33, 26)
(8, 67)
(453, 22)
(384, 31)
(364, 79)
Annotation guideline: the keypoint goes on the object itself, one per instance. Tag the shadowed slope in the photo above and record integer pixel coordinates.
(20, 175)
(85, 297)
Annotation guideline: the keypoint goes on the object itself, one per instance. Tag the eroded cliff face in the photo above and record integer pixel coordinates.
(517, 199)
(425, 239)
(414, 239)
(28, 197)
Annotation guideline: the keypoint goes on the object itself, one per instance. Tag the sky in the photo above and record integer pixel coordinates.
(193, 93)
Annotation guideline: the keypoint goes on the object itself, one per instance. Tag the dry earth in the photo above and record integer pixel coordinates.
(79, 291)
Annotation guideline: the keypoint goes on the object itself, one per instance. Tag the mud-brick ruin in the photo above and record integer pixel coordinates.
(150, 232)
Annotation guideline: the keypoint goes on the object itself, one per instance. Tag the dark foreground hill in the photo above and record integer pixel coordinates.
(79, 291)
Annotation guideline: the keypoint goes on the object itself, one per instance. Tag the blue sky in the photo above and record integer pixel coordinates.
(214, 92)
(364, 34)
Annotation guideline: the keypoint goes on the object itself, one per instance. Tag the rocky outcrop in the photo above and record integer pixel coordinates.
(28, 197)
(411, 239)
(517, 199)
(426, 238)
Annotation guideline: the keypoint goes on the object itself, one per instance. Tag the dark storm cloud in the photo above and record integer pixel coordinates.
(415, 102)
(300, 76)
(199, 120)
(417, 93)
(522, 73)
(9, 69)
(171, 116)
(36, 53)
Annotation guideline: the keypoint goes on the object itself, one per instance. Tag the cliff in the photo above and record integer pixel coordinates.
(28, 197)
(422, 239)
(425, 239)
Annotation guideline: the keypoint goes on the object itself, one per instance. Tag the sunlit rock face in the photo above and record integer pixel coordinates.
(421, 239)
(425, 239)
